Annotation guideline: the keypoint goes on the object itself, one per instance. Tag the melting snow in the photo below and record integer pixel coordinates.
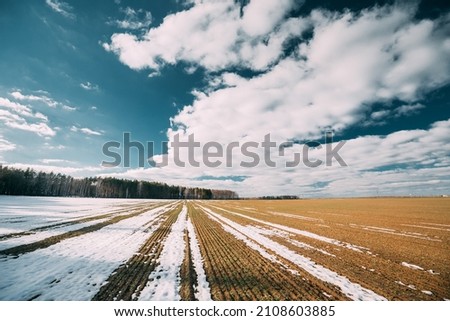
(164, 284)
(412, 266)
(352, 290)
(75, 268)
(302, 232)
(203, 292)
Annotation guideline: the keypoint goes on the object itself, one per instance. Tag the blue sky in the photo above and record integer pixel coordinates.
(77, 74)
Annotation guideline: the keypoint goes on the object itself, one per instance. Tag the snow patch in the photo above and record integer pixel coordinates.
(165, 280)
(76, 268)
(301, 232)
(428, 227)
(352, 290)
(433, 272)
(412, 266)
(202, 290)
(247, 241)
(300, 217)
(287, 236)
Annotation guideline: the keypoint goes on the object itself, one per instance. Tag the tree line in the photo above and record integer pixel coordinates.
(28, 182)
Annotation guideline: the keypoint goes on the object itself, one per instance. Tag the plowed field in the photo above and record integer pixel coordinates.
(331, 249)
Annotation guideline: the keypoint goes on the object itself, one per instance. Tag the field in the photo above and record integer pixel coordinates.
(331, 249)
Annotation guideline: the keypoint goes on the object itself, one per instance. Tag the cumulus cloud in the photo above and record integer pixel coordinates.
(342, 64)
(400, 163)
(353, 60)
(213, 34)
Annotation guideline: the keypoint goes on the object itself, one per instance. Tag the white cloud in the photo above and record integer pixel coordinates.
(40, 129)
(12, 115)
(68, 108)
(262, 16)
(61, 7)
(134, 19)
(89, 86)
(85, 130)
(16, 107)
(344, 68)
(88, 131)
(214, 35)
(41, 116)
(43, 98)
(352, 60)
(17, 122)
(56, 161)
(49, 146)
(397, 164)
(377, 115)
(50, 102)
(6, 145)
(407, 110)
(79, 171)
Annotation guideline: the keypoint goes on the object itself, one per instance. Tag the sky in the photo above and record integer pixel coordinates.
(254, 85)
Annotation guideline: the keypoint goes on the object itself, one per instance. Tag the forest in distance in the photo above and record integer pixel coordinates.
(29, 182)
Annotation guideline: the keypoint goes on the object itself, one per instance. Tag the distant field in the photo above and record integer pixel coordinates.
(331, 249)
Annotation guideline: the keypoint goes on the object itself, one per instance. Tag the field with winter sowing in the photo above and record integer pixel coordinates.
(331, 249)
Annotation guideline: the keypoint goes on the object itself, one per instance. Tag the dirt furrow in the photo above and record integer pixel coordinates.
(187, 273)
(130, 278)
(380, 267)
(237, 272)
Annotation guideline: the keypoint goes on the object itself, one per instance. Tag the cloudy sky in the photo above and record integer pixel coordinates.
(75, 75)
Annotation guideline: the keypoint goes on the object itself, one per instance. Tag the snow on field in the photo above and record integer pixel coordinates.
(428, 227)
(352, 290)
(202, 290)
(248, 241)
(394, 232)
(299, 217)
(312, 235)
(436, 224)
(41, 235)
(412, 266)
(75, 268)
(23, 213)
(288, 238)
(380, 228)
(164, 281)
